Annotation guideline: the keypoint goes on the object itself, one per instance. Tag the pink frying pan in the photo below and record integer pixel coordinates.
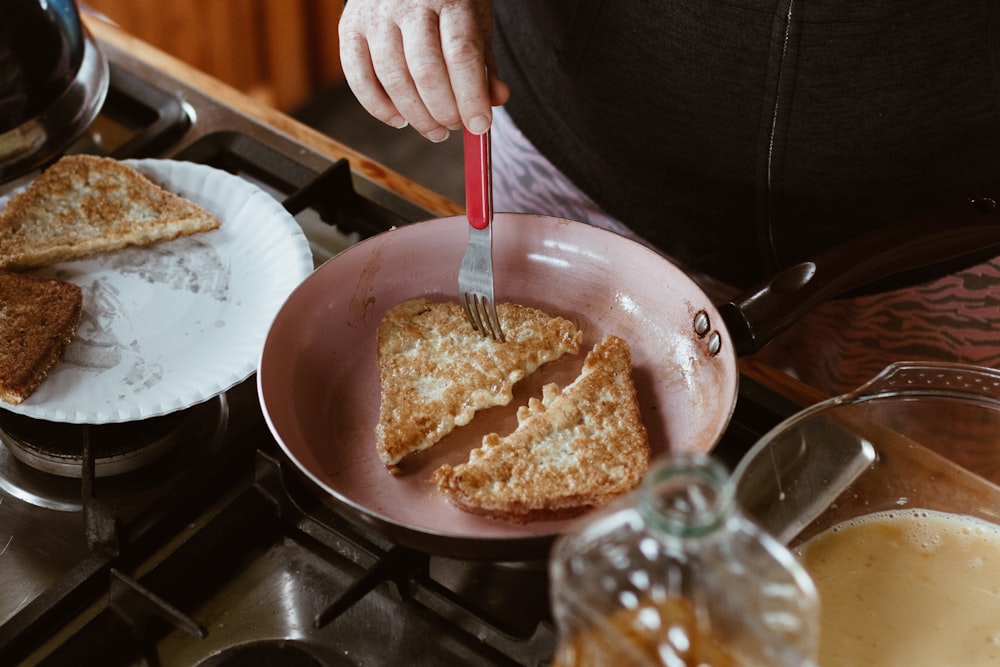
(318, 382)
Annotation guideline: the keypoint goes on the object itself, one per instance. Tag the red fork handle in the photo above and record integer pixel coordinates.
(478, 172)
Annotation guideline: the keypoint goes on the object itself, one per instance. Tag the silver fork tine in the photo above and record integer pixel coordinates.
(491, 322)
(475, 279)
(481, 313)
(472, 311)
(475, 276)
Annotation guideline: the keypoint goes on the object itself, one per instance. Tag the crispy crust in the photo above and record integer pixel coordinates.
(435, 371)
(84, 204)
(38, 319)
(574, 449)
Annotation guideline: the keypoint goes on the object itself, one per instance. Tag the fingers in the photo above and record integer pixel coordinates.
(359, 72)
(464, 55)
(499, 90)
(422, 63)
(419, 84)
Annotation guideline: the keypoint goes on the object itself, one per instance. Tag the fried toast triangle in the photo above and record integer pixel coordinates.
(86, 204)
(38, 319)
(436, 371)
(574, 449)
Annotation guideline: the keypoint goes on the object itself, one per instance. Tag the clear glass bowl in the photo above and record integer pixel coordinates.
(919, 435)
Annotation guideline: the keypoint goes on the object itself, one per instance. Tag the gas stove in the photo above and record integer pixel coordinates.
(189, 539)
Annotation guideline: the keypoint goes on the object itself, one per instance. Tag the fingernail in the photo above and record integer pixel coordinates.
(438, 135)
(479, 124)
(398, 122)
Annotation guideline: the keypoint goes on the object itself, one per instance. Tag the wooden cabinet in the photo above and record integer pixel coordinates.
(279, 51)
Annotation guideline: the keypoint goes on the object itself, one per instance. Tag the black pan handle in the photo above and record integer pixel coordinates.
(903, 253)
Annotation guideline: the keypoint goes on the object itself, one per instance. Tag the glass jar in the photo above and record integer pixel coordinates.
(675, 574)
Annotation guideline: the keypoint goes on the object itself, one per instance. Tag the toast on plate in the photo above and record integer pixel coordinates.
(85, 204)
(436, 371)
(38, 319)
(574, 449)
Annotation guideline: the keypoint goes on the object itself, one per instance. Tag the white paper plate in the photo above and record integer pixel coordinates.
(168, 326)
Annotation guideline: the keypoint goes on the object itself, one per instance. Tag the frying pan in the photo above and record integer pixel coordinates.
(318, 381)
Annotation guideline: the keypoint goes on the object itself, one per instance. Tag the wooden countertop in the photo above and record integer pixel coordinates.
(112, 35)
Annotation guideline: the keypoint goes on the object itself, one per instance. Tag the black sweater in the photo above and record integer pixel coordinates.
(741, 135)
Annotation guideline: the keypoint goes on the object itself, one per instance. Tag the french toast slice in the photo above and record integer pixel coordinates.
(85, 204)
(38, 319)
(574, 449)
(436, 371)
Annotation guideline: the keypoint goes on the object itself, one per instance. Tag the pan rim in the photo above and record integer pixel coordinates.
(457, 539)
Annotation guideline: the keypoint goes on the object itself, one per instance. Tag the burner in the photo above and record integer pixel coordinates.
(57, 448)
(42, 462)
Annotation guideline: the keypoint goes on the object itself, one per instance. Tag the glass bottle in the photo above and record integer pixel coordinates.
(675, 574)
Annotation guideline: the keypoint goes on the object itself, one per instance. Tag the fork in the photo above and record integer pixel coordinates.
(475, 276)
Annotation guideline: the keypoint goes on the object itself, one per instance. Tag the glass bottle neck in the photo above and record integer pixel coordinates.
(686, 496)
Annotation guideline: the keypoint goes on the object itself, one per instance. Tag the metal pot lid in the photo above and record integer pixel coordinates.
(45, 136)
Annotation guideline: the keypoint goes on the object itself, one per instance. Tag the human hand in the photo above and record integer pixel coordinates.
(426, 63)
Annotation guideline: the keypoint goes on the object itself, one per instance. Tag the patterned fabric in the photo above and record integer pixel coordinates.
(842, 344)
(524, 181)
(837, 347)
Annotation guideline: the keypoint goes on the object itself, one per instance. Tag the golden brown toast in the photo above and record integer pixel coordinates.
(84, 204)
(436, 371)
(38, 319)
(575, 449)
